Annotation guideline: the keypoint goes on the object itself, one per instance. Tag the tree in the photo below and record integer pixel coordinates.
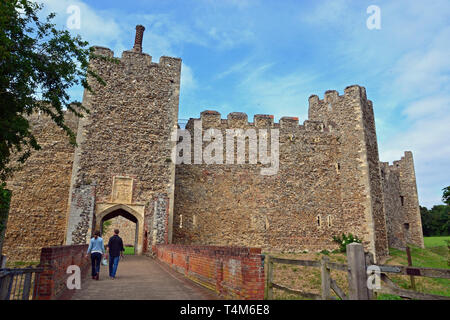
(436, 222)
(446, 196)
(38, 64)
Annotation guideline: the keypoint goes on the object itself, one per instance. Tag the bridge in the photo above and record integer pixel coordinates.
(142, 278)
(172, 272)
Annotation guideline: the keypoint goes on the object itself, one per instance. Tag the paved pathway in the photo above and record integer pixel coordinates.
(142, 278)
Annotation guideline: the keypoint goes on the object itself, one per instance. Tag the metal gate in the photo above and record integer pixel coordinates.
(19, 284)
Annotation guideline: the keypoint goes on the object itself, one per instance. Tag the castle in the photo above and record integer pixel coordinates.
(329, 180)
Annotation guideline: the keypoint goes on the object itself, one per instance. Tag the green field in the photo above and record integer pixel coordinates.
(435, 255)
(129, 250)
(435, 241)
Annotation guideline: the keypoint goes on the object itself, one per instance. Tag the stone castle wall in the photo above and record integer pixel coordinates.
(40, 191)
(296, 209)
(329, 180)
(351, 115)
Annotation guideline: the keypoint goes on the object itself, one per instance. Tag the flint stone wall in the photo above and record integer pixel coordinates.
(127, 132)
(40, 192)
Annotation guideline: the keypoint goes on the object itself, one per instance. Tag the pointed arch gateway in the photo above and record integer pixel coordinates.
(134, 213)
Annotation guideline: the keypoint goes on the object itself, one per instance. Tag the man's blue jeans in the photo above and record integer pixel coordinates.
(113, 263)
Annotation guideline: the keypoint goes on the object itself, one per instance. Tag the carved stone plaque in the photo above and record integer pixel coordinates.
(122, 191)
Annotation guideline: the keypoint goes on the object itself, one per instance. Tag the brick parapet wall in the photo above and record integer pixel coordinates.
(232, 272)
(52, 282)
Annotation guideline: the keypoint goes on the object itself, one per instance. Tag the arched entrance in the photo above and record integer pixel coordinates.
(114, 210)
(123, 233)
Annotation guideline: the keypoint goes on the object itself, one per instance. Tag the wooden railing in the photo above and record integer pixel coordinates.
(389, 287)
(19, 284)
(327, 282)
(358, 272)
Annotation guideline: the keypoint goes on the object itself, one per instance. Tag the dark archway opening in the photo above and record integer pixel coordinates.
(125, 214)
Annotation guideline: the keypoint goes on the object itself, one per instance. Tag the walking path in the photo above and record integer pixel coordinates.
(142, 278)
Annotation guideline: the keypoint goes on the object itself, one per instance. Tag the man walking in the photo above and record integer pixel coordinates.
(115, 248)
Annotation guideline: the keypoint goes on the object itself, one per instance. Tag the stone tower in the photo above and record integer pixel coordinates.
(401, 202)
(361, 190)
(122, 165)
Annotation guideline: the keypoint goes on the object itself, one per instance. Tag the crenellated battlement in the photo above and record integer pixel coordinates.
(332, 97)
(234, 120)
(39, 120)
(397, 164)
(139, 59)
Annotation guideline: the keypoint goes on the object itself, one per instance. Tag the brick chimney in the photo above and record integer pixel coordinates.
(138, 40)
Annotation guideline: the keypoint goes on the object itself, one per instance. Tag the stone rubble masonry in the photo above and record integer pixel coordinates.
(401, 202)
(81, 214)
(232, 272)
(127, 132)
(236, 205)
(160, 221)
(37, 216)
(127, 230)
(328, 183)
(351, 116)
(52, 282)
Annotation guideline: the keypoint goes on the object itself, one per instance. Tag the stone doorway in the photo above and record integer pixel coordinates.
(113, 211)
(127, 225)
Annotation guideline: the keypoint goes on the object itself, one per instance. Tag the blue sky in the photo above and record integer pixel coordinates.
(263, 56)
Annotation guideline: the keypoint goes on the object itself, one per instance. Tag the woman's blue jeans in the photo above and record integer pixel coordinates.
(95, 260)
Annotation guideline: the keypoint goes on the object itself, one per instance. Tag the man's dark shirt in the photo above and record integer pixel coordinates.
(115, 246)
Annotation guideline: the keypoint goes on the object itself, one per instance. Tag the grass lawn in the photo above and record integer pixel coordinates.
(434, 257)
(129, 250)
(308, 279)
(21, 264)
(435, 241)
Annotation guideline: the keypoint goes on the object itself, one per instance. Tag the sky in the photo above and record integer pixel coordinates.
(268, 57)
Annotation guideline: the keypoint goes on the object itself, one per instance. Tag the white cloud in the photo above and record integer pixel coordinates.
(188, 81)
(97, 27)
(427, 137)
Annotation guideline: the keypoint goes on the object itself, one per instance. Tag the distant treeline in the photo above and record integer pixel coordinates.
(436, 221)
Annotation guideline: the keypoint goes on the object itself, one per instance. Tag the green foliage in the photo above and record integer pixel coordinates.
(344, 240)
(436, 222)
(5, 197)
(38, 65)
(446, 196)
(325, 252)
(106, 226)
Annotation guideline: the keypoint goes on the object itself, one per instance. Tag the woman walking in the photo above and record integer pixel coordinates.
(96, 249)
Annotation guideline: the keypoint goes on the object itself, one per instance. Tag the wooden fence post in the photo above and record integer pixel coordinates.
(357, 278)
(269, 279)
(411, 277)
(326, 278)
